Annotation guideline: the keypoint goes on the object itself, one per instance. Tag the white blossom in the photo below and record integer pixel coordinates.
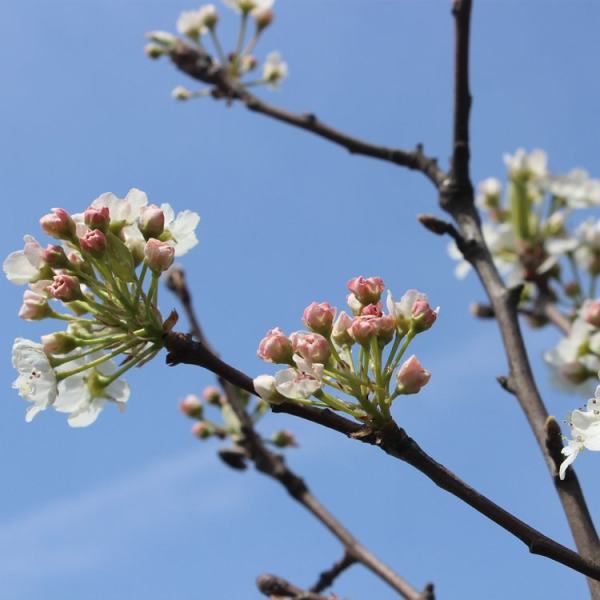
(37, 380)
(274, 70)
(182, 228)
(191, 23)
(300, 383)
(23, 266)
(521, 163)
(576, 188)
(248, 5)
(123, 210)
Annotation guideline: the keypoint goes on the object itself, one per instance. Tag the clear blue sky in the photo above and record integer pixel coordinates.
(134, 507)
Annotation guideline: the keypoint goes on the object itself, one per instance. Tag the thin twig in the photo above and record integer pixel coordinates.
(395, 442)
(198, 65)
(274, 466)
(277, 587)
(326, 578)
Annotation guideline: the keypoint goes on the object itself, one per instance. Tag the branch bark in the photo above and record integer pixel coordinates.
(326, 578)
(274, 466)
(395, 442)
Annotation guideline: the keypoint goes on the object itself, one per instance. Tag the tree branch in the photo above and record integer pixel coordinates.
(274, 466)
(395, 442)
(199, 65)
(456, 197)
(326, 578)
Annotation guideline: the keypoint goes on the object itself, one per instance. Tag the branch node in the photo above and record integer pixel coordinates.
(507, 383)
(554, 444)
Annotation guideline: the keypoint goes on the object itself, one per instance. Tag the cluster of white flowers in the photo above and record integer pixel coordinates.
(93, 273)
(198, 24)
(323, 356)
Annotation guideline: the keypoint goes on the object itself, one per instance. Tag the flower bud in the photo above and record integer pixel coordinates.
(55, 256)
(386, 329)
(159, 255)
(575, 372)
(367, 290)
(263, 17)
(275, 347)
(58, 343)
(155, 51)
(572, 289)
(152, 221)
(65, 288)
(94, 243)
(311, 346)
(248, 63)
(412, 376)
(363, 329)
(164, 38)
(58, 224)
(283, 439)
(209, 15)
(76, 260)
(371, 310)
(423, 316)
(264, 385)
(202, 430)
(191, 406)
(97, 218)
(34, 307)
(319, 317)
(181, 93)
(212, 395)
(339, 333)
(591, 313)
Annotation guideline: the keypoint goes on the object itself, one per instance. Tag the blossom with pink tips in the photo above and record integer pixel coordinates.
(354, 304)
(58, 343)
(423, 315)
(313, 347)
(371, 310)
(58, 224)
(339, 333)
(191, 406)
(212, 395)
(275, 347)
(65, 288)
(24, 266)
(411, 376)
(151, 221)
(35, 306)
(367, 290)
(54, 256)
(97, 217)
(386, 329)
(318, 316)
(94, 242)
(363, 329)
(159, 255)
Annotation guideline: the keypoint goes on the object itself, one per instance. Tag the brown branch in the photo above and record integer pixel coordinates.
(199, 65)
(278, 588)
(326, 578)
(456, 197)
(397, 443)
(272, 464)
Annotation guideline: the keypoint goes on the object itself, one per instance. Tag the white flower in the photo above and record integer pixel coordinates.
(402, 311)
(182, 228)
(163, 38)
(588, 234)
(248, 5)
(191, 23)
(489, 193)
(23, 266)
(265, 388)
(300, 383)
(521, 163)
(576, 188)
(180, 93)
(83, 398)
(274, 70)
(585, 432)
(123, 210)
(37, 380)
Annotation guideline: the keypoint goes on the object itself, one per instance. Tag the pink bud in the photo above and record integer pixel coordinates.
(386, 329)
(275, 347)
(58, 224)
(55, 256)
(339, 333)
(319, 317)
(412, 376)
(212, 395)
(371, 310)
(284, 439)
(159, 255)
(591, 313)
(35, 306)
(202, 430)
(65, 288)
(423, 316)
(58, 343)
(97, 218)
(94, 242)
(152, 221)
(367, 290)
(311, 346)
(363, 329)
(263, 17)
(191, 406)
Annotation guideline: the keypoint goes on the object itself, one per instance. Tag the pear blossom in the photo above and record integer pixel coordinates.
(35, 305)
(411, 376)
(312, 347)
(124, 211)
(319, 317)
(83, 396)
(37, 380)
(275, 347)
(585, 432)
(587, 254)
(191, 23)
(275, 70)
(24, 266)
(247, 6)
(576, 188)
(191, 406)
(520, 163)
(402, 311)
(265, 387)
(300, 383)
(339, 333)
(489, 193)
(180, 229)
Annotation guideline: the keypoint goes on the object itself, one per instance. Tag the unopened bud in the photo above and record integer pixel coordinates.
(263, 17)
(275, 347)
(58, 224)
(191, 406)
(58, 343)
(202, 430)
(94, 243)
(65, 288)
(163, 38)
(283, 439)
(339, 333)
(367, 290)
(159, 255)
(311, 346)
(152, 221)
(97, 218)
(363, 329)
(423, 316)
(181, 93)
(591, 313)
(55, 256)
(412, 376)
(212, 395)
(319, 317)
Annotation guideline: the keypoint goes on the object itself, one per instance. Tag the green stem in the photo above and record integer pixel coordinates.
(57, 362)
(392, 354)
(218, 47)
(409, 337)
(128, 365)
(242, 35)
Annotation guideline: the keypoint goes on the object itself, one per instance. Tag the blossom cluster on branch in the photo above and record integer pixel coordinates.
(350, 363)
(240, 62)
(97, 272)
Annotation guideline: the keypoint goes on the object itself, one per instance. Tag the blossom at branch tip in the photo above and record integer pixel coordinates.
(585, 432)
(275, 347)
(367, 290)
(246, 6)
(159, 255)
(24, 266)
(194, 23)
(319, 317)
(522, 164)
(275, 70)
(180, 229)
(312, 347)
(37, 380)
(411, 376)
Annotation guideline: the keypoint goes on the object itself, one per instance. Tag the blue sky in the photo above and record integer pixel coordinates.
(134, 507)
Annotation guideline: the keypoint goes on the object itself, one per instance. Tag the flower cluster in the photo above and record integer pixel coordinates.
(229, 426)
(96, 271)
(240, 62)
(350, 363)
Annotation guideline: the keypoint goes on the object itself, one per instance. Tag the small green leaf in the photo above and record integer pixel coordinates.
(120, 259)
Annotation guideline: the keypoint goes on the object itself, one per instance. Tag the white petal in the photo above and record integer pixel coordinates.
(18, 269)
(87, 415)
